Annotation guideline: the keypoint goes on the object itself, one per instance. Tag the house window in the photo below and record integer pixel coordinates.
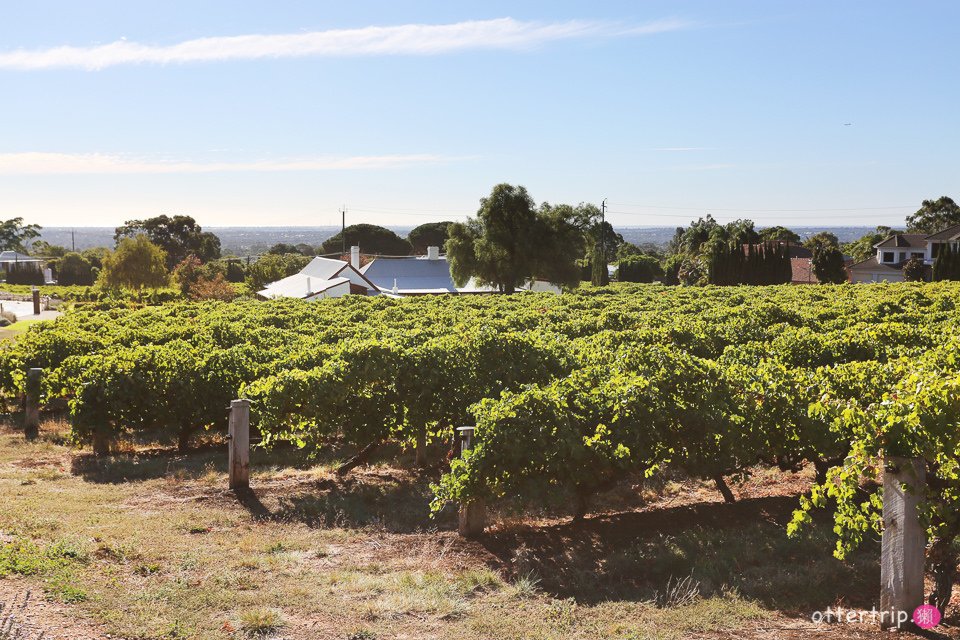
(888, 256)
(916, 254)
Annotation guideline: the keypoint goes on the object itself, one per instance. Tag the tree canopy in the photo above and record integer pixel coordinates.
(779, 234)
(73, 268)
(178, 236)
(14, 234)
(273, 267)
(692, 240)
(431, 234)
(863, 248)
(510, 241)
(934, 215)
(638, 268)
(136, 263)
(282, 247)
(370, 238)
(822, 239)
(828, 265)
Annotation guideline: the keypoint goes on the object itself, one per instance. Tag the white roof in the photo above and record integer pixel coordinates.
(14, 256)
(300, 285)
(416, 276)
(324, 268)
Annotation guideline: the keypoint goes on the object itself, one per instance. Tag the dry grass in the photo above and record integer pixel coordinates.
(151, 545)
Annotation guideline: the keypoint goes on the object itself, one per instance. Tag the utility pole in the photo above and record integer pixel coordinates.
(73, 240)
(343, 230)
(603, 232)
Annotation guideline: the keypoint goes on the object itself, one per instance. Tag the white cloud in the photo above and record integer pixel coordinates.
(409, 39)
(36, 163)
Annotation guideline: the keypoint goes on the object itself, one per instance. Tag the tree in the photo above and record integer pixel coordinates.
(822, 239)
(74, 269)
(281, 248)
(754, 264)
(14, 234)
(187, 273)
(638, 268)
(863, 248)
(510, 242)
(271, 267)
(44, 249)
(779, 234)
(914, 270)
(692, 240)
(562, 238)
(302, 248)
(828, 265)
(689, 240)
(136, 263)
(178, 236)
(370, 238)
(431, 234)
(947, 264)
(934, 215)
(95, 256)
(215, 288)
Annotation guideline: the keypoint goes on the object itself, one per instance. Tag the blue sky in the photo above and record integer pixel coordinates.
(408, 112)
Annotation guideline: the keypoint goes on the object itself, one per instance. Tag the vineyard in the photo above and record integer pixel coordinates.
(571, 395)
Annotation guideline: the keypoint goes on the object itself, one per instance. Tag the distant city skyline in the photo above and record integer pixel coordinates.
(244, 114)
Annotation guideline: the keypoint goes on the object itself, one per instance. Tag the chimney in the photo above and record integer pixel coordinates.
(308, 286)
(433, 253)
(396, 290)
(355, 257)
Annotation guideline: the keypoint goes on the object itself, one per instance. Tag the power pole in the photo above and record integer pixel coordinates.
(343, 230)
(73, 240)
(603, 232)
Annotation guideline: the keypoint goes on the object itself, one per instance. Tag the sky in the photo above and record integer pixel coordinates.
(264, 114)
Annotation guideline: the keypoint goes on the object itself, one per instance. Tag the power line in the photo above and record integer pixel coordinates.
(707, 211)
(651, 206)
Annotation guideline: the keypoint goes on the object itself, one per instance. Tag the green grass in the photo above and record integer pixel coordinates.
(12, 331)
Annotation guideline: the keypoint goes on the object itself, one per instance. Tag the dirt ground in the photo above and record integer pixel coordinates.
(150, 544)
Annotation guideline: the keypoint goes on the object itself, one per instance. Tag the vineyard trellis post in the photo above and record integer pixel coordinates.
(31, 409)
(239, 443)
(903, 543)
(472, 518)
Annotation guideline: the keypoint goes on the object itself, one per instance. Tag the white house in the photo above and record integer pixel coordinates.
(323, 278)
(406, 276)
(893, 252)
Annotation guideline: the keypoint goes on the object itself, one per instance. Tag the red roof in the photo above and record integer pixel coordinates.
(802, 271)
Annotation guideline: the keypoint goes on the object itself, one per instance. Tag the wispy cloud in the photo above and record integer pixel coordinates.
(409, 39)
(36, 163)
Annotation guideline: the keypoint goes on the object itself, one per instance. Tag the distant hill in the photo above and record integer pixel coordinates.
(254, 240)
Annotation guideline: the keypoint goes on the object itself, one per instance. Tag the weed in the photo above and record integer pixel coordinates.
(678, 593)
(526, 585)
(260, 622)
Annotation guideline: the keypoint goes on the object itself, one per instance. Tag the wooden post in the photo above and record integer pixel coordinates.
(239, 436)
(903, 542)
(36, 301)
(472, 519)
(31, 414)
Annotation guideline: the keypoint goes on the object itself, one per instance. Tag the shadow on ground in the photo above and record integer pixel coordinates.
(720, 547)
(150, 464)
(391, 502)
